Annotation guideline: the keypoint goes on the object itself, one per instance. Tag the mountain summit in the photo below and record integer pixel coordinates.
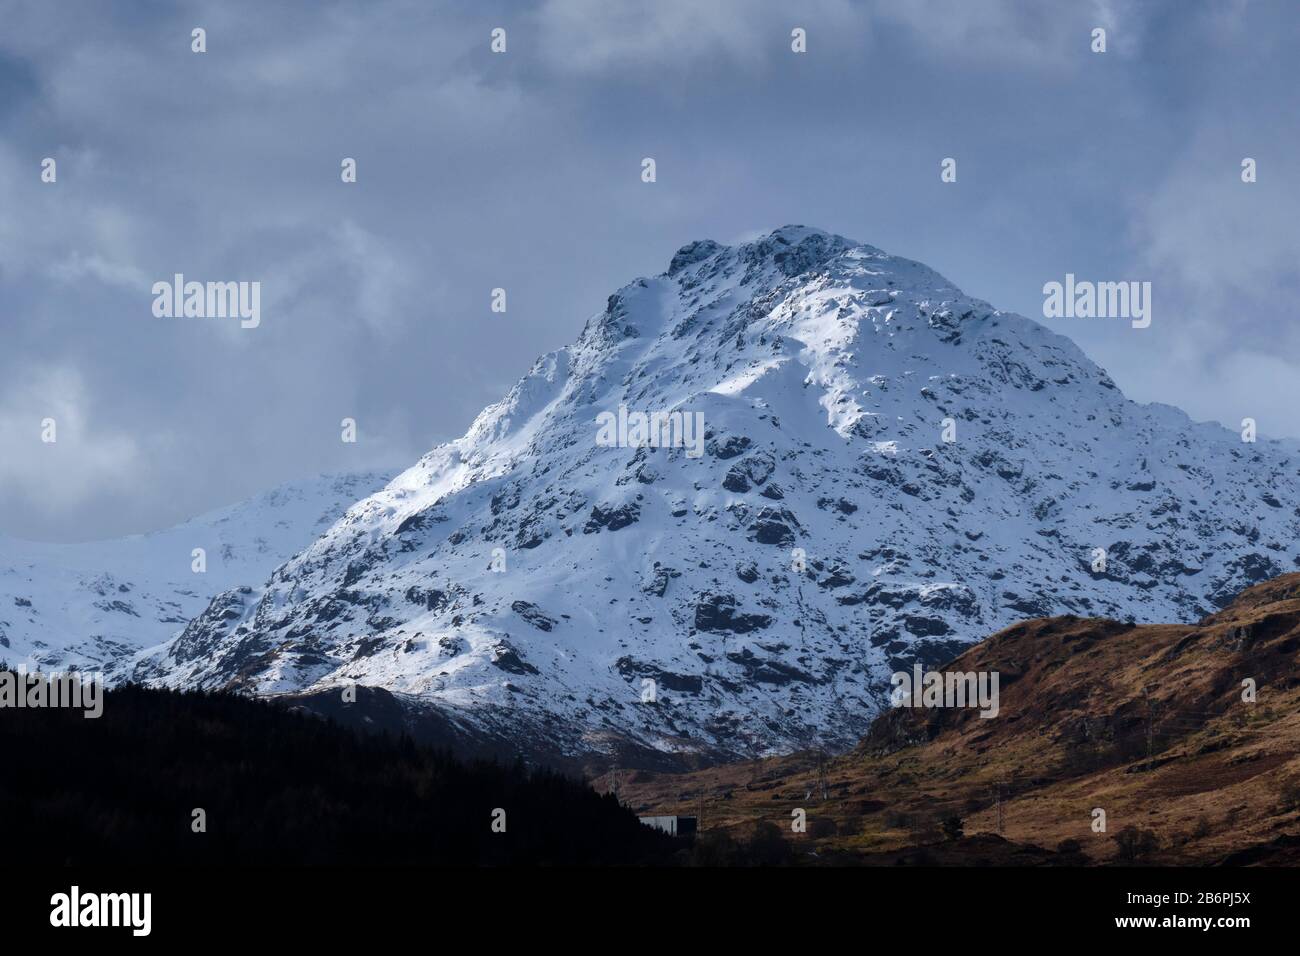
(890, 470)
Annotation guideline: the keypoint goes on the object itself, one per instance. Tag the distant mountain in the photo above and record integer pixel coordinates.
(763, 581)
(94, 606)
(1147, 723)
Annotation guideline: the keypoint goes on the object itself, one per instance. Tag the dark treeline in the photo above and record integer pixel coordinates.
(280, 787)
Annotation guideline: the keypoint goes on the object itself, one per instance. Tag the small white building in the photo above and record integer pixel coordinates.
(673, 826)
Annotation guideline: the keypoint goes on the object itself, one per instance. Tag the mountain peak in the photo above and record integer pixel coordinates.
(798, 249)
(691, 253)
(793, 249)
(880, 470)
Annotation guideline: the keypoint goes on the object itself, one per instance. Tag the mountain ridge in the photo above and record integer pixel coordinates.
(96, 605)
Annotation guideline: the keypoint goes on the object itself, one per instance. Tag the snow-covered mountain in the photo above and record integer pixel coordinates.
(824, 370)
(93, 606)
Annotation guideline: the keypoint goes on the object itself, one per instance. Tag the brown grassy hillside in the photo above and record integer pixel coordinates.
(1145, 722)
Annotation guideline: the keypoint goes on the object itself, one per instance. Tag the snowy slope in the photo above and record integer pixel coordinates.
(94, 605)
(824, 370)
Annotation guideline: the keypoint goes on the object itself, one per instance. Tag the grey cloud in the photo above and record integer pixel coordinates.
(522, 171)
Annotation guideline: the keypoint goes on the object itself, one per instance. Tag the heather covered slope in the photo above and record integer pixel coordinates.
(1145, 722)
(530, 581)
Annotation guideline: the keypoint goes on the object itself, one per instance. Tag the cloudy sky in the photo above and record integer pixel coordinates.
(522, 171)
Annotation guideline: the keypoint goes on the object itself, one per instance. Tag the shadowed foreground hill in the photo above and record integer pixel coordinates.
(1147, 723)
(281, 788)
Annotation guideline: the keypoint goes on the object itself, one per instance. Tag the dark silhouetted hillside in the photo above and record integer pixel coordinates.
(280, 787)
